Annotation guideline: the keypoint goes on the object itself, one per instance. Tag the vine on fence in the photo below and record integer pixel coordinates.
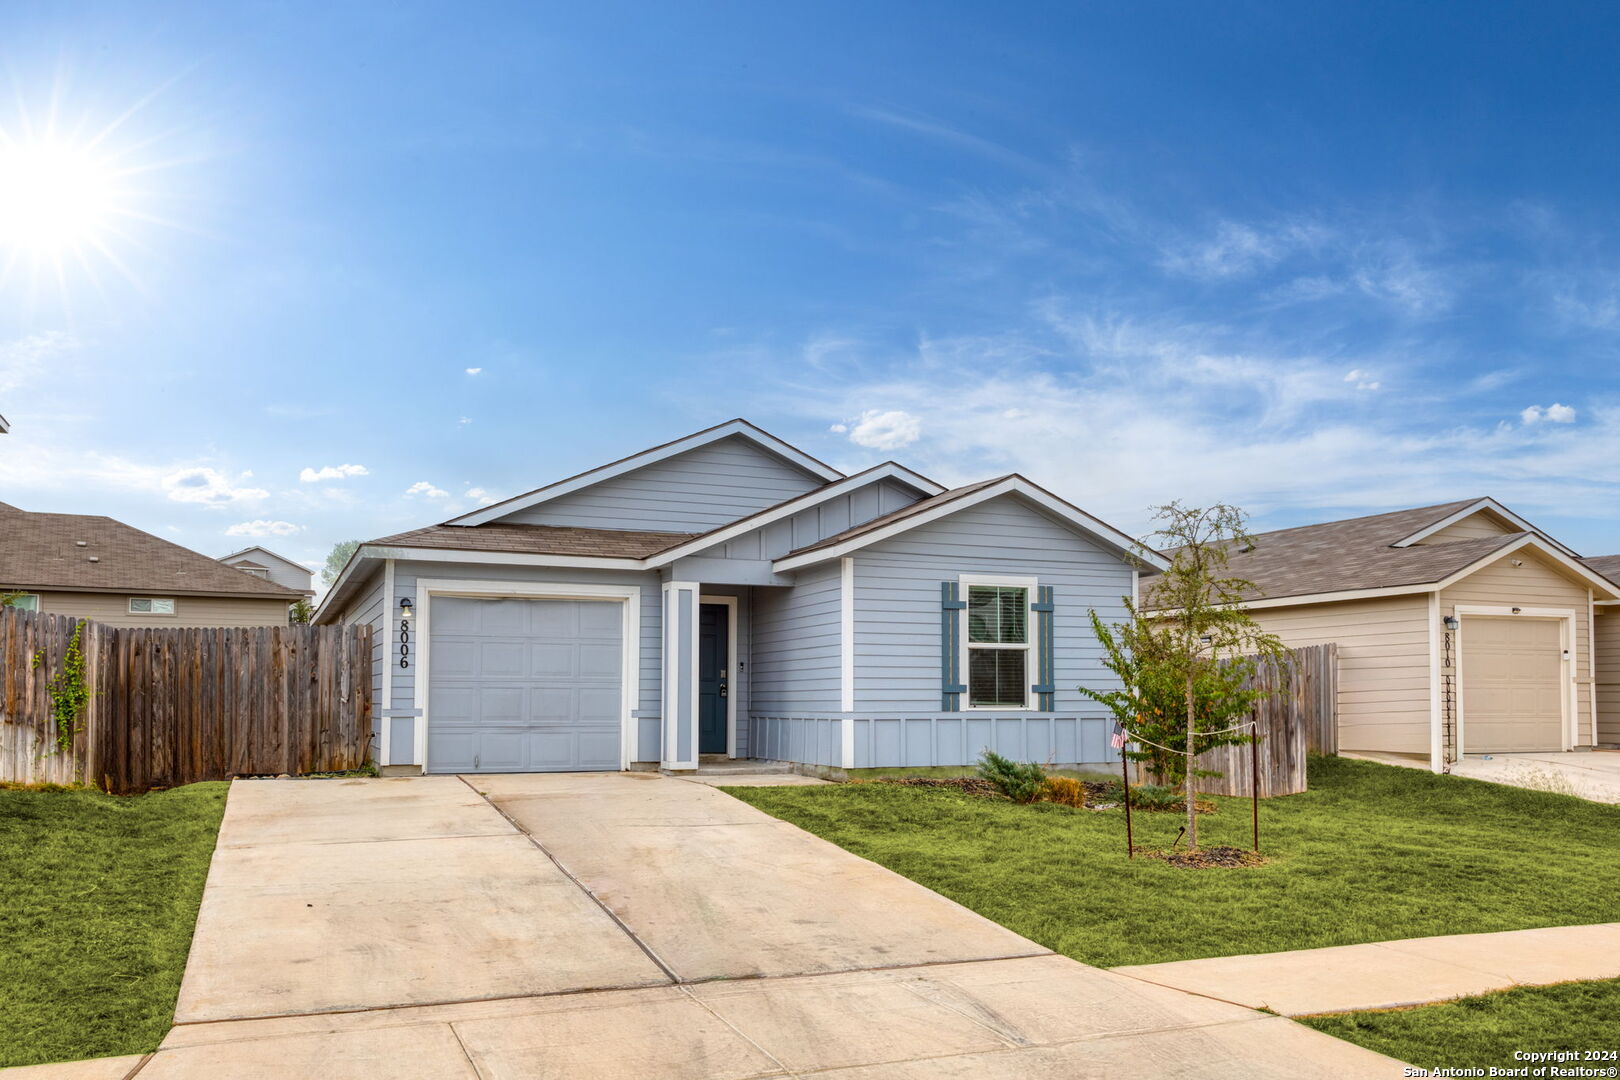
(69, 692)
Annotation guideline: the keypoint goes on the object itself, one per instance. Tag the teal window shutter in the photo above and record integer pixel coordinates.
(950, 659)
(1045, 676)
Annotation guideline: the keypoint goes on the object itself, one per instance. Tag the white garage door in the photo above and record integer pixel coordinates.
(524, 685)
(1512, 684)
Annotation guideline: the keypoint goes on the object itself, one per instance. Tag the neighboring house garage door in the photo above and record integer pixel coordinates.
(1512, 675)
(524, 685)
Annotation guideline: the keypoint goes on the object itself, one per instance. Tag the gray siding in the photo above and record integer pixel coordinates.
(815, 523)
(959, 739)
(897, 601)
(796, 646)
(292, 576)
(407, 573)
(698, 490)
(809, 740)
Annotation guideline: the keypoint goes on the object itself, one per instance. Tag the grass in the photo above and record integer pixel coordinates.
(1479, 1032)
(1370, 853)
(98, 898)
(947, 771)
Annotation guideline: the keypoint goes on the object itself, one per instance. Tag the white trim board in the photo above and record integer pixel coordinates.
(761, 438)
(630, 658)
(1486, 504)
(1030, 646)
(730, 603)
(1012, 485)
(889, 470)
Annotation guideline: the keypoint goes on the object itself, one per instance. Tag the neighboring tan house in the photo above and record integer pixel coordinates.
(261, 562)
(1461, 628)
(1608, 654)
(727, 595)
(101, 569)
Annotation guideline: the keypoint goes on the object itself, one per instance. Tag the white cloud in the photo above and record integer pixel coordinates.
(885, 429)
(465, 420)
(475, 370)
(423, 487)
(210, 487)
(1362, 380)
(263, 527)
(480, 496)
(332, 472)
(26, 359)
(839, 429)
(1237, 249)
(1552, 414)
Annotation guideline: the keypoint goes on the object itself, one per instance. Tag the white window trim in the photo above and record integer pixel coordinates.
(34, 596)
(1030, 586)
(628, 595)
(171, 613)
(730, 604)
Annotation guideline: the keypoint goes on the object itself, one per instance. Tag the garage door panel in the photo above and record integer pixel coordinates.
(1513, 684)
(524, 685)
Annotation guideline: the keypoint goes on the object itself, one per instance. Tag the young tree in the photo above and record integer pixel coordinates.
(337, 559)
(1186, 661)
(300, 612)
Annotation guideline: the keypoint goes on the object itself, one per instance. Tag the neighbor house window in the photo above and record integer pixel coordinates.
(998, 646)
(146, 605)
(24, 601)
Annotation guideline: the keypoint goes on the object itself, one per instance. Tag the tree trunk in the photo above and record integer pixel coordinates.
(1192, 806)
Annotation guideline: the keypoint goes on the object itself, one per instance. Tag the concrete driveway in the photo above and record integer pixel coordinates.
(1586, 774)
(626, 925)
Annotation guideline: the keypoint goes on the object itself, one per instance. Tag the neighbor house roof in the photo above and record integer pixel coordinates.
(537, 540)
(85, 553)
(1361, 554)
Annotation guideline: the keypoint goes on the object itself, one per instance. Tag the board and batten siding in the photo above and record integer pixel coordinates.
(701, 489)
(1383, 666)
(797, 647)
(112, 609)
(406, 575)
(815, 523)
(1606, 636)
(1533, 584)
(897, 601)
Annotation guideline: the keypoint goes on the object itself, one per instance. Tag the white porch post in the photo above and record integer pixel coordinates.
(680, 698)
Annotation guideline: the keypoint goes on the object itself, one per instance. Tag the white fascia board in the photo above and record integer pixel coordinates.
(1550, 548)
(340, 587)
(648, 457)
(1013, 485)
(887, 471)
(1469, 511)
(280, 558)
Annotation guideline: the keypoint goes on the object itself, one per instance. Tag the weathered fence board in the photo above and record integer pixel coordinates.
(1300, 718)
(173, 706)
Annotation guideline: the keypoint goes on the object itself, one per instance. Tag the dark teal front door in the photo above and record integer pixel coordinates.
(714, 648)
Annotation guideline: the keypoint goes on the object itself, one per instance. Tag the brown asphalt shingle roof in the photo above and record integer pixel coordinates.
(539, 540)
(1341, 556)
(40, 551)
(1607, 565)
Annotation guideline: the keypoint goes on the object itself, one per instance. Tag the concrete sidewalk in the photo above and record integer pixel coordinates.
(634, 925)
(1390, 974)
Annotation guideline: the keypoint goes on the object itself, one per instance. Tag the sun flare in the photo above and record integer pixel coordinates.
(55, 198)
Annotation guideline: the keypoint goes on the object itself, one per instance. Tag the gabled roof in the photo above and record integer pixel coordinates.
(738, 427)
(788, 507)
(1607, 565)
(1364, 555)
(536, 540)
(261, 549)
(957, 499)
(1459, 511)
(84, 553)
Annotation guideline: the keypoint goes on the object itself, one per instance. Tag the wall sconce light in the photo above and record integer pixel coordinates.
(405, 607)
(1452, 623)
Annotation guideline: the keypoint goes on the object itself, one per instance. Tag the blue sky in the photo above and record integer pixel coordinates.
(365, 265)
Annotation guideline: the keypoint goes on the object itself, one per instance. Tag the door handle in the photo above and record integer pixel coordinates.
(722, 689)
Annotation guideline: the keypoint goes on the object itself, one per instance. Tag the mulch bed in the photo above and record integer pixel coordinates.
(1209, 858)
(1099, 795)
(967, 785)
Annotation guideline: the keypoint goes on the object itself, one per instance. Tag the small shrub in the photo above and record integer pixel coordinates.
(1019, 782)
(1065, 790)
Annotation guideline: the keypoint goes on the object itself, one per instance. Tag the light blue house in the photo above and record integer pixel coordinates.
(726, 595)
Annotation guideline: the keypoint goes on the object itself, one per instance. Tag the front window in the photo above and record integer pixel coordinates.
(146, 605)
(24, 601)
(998, 646)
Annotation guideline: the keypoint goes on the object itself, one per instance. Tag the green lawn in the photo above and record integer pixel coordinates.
(1480, 1032)
(1370, 853)
(98, 897)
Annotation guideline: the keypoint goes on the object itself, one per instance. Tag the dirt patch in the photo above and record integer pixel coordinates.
(1209, 858)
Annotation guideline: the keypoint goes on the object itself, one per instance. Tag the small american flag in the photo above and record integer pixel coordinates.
(1118, 740)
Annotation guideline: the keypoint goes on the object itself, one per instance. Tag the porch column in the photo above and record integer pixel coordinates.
(680, 697)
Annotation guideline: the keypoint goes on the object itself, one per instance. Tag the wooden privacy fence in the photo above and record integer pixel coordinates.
(173, 706)
(1301, 719)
